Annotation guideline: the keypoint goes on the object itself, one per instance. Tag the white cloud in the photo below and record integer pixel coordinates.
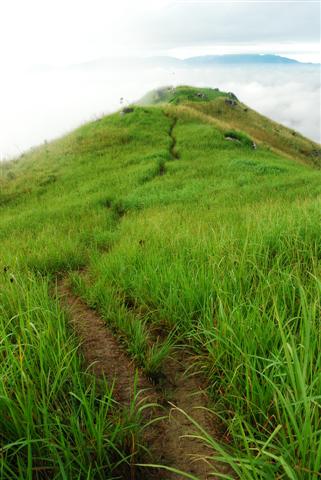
(67, 31)
(70, 31)
(188, 24)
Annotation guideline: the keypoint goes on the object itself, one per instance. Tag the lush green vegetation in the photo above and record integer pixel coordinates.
(220, 249)
(56, 420)
(182, 94)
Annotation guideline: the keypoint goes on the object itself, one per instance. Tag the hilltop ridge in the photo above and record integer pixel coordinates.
(226, 111)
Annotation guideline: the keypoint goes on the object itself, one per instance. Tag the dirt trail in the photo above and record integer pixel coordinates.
(101, 351)
(180, 389)
(172, 150)
(185, 391)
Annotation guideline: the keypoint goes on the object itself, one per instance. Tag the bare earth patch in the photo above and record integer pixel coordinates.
(101, 350)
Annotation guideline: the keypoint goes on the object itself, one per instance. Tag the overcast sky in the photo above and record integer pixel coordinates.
(61, 32)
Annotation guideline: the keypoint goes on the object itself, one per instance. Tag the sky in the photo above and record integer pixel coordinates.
(61, 32)
(38, 104)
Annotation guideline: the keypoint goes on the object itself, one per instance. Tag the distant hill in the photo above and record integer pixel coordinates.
(255, 59)
(172, 62)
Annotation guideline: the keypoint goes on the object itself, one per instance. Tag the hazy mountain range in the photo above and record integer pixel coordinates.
(172, 62)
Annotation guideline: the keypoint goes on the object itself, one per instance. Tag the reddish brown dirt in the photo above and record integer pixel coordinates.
(182, 389)
(101, 350)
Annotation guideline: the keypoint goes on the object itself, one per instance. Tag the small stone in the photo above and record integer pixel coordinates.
(230, 102)
(232, 95)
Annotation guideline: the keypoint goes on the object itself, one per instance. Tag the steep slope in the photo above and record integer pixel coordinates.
(192, 228)
(225, 111)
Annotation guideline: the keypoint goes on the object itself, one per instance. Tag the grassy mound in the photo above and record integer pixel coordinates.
(182, 94)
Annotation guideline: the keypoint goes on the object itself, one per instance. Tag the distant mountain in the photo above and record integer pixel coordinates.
(172, 62)
(200, 61)
(256, 59)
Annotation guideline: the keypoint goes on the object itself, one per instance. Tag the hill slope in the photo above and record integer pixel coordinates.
(191, 224)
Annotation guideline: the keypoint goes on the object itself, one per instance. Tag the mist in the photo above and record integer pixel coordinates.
(41, 104)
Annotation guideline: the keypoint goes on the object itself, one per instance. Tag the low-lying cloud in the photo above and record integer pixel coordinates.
(41, 105)
(289, 95)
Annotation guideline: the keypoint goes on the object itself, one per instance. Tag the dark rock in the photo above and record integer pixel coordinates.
(232, 95)
(230, 102)
(315, 153)
(127, 110)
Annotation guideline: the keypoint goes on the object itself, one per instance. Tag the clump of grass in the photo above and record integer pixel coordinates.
(156, 355)
(155, 171)
(119, 209)
(240, 137)
(48, 180)
(161, 168)
(106, 202)
(121, 313)
(257, 167)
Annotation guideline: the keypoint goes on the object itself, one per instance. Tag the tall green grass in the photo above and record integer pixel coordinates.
(248, 302)
(133, 324)
(56, 420)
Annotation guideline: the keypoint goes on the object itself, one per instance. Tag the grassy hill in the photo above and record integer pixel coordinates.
(190, 223)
